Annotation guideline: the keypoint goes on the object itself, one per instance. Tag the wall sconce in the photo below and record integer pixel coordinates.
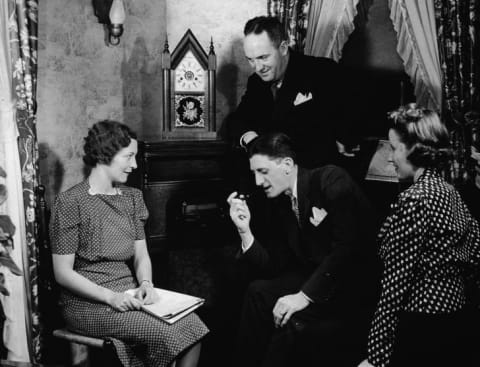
(111, 13)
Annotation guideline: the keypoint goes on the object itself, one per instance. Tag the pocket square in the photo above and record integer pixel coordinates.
(302, 98)
(318, 215)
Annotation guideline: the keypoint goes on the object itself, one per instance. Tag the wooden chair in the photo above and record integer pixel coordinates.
(80, 346)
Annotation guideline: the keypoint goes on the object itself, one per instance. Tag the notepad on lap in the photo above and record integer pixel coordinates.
(171, 306)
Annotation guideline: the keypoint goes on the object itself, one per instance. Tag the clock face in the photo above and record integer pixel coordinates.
(189, 75)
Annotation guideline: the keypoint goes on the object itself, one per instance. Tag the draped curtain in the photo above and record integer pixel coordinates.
(22, 47)
(294, 15)
(414, 23)
(458, 31)
(330, 23)
(13, 329)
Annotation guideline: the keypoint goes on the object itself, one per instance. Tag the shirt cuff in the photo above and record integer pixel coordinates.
(246, 246)
(306, 297)
(242, 141)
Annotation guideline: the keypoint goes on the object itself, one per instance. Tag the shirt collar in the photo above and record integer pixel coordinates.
(277, 84)
(293, 192)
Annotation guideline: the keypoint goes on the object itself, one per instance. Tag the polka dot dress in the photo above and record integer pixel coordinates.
(101, 231)
(427, 243)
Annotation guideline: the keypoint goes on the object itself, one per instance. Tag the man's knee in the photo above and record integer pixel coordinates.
(258, 286)
(259, 297)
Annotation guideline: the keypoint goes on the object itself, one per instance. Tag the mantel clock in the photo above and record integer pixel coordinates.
(189, 91)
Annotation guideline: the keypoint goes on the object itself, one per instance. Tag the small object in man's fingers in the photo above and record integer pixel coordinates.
(242, 196)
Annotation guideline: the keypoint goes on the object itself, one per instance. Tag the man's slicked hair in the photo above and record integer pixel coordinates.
(272, 145)
(274, 28)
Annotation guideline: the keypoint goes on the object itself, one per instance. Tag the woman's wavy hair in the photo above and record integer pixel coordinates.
(105, 139)
(423, 133)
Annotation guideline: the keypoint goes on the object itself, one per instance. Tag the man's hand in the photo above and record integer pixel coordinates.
(146, 293)
(286, 306)
(365, 363)
(239, 213)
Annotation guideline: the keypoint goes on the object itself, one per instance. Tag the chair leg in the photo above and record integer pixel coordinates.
(79, 355)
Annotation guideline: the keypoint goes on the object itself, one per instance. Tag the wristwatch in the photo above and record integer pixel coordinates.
(148, 281)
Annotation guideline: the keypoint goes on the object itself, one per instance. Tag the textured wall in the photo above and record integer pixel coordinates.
(81, 80)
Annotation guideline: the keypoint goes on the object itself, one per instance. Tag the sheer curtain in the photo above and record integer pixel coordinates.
(414, 23)
(15, 309)
(330, 23)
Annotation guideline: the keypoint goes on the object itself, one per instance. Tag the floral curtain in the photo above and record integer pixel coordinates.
(458, 40)
(23, 29)
(294, 15)
(14, 343)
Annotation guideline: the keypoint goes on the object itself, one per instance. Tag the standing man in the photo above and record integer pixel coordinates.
(292, 93)
(310, 274)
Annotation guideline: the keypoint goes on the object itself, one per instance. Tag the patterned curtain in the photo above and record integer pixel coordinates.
(458, 42)
(294, 15)
(23, 49)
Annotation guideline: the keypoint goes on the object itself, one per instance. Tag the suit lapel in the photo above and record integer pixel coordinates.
(303, 189)
(290, 222)
(288, 91)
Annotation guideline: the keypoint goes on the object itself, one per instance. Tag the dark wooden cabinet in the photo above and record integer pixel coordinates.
(185, 191)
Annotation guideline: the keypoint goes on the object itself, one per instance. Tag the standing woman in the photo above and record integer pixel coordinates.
(99, 252)
(430, 246)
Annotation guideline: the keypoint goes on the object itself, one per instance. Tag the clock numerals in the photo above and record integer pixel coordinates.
(189, 75)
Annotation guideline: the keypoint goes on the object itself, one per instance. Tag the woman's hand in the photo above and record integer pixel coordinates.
(124, 302)
(365, 363)
(146, 293)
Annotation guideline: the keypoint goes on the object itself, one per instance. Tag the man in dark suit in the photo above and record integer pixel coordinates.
(292, 93)
(313, 274)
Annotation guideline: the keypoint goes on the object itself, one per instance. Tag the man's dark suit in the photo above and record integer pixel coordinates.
(329, 261)
(313, 125)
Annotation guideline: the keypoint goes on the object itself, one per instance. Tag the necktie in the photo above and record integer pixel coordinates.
(295, 209)
(275, 87)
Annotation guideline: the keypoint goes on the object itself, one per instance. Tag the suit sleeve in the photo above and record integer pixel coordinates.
(270, 255)
(344, 216)
(245, 117)
(263, 262)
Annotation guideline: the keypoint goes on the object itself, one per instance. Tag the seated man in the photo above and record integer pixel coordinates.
(312, 270)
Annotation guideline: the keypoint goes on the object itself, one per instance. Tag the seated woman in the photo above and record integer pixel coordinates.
(99, 251)
(430, 246)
